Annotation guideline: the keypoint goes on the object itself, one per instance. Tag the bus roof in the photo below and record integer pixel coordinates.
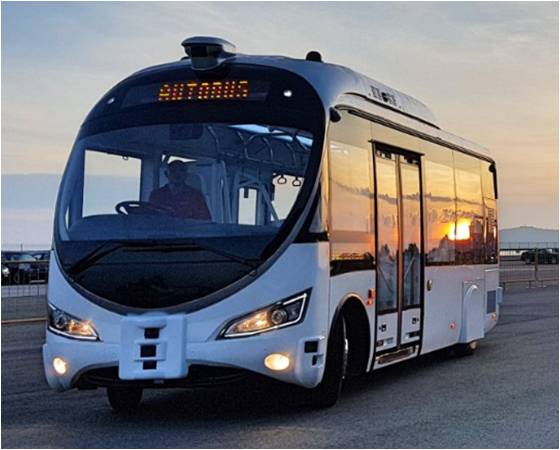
(338, 85)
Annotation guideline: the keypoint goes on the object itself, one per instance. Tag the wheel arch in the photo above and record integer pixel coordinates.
(352, 308)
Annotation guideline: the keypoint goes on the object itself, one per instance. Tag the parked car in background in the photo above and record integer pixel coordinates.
(41, 256)
(20, 267)
(5, 274)
(543, 256)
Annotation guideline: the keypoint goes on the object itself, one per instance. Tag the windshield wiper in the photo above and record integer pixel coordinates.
(109, 247)
(165, 247)
(106, 248)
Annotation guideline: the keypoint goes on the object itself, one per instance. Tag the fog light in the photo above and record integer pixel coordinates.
(276, 361)
(60, 366)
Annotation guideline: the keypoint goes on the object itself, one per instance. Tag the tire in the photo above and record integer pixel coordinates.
(466, 349)
(327, 392)
(124, 399)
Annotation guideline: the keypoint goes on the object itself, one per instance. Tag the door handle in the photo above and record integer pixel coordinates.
(415, 320)
(383, 327)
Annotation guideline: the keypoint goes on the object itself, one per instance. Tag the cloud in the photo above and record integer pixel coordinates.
(488, 70)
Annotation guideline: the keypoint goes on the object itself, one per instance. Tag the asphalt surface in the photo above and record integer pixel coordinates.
(506, 395)
(24, 308)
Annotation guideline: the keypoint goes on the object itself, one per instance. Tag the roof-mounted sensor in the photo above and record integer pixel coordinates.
(206, 52)
(314, 56)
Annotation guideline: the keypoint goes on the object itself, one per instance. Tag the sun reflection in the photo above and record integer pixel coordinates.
(462, 232)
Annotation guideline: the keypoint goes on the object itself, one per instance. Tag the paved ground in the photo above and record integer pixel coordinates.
(504, 396)
(24, 308)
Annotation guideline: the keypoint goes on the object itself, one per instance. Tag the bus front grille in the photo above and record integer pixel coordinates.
(199, 376)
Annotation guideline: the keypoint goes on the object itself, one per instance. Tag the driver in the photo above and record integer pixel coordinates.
(185, 201)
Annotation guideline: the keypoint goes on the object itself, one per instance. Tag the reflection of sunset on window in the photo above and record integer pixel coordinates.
(463, 230)
(350, 187)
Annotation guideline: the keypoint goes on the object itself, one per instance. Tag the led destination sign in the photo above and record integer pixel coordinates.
(203, 90)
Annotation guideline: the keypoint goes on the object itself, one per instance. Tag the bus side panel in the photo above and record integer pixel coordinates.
(493, 297)
(443, 304)
(472, 325)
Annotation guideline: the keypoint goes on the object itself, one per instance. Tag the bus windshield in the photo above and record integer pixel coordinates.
(179, 181)
(157, 191)
(221, 188)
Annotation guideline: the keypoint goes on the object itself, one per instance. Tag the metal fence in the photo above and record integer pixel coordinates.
(528, 245)
(534, 266)
(25, 272)
(23, 276)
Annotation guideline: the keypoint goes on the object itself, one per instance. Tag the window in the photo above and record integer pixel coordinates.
(168, 184)
(247, 206)
(469, 231)
(284, 194)
(388, 231)
(226, 189)
(411, 230)
(490, 214)
(440, 209)
(487, 175)
(351, 191)
(109, 178)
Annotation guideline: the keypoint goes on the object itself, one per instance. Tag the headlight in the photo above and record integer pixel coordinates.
(282, 314)
(5, 271)
(67, 325)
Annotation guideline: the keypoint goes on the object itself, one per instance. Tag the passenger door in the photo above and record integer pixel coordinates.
(399, 251)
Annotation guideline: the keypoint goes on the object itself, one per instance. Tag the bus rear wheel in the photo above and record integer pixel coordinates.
(327, 392)
(466, 349)
(124, 399)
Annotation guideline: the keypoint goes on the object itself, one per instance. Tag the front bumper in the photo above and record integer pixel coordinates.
(248, 353)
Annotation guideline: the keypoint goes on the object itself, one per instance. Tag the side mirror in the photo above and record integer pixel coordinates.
(334, 115)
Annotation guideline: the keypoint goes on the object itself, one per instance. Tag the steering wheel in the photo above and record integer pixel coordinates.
(132, 207)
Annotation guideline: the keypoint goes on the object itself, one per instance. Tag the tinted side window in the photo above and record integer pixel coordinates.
(351, 191)
(490, 214)
(387, 232)
(487, 177)
(440, 210)
(469, 231)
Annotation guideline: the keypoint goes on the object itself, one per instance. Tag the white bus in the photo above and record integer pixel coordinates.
(229, 214)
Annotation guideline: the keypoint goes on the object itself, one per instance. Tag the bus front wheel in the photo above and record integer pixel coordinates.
(124, 399)
(466, 349)
(328, 391)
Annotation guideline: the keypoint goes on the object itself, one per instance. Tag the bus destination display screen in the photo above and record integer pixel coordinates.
(203, 90)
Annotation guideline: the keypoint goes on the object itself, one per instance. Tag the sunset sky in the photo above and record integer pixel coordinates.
(489, 71)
